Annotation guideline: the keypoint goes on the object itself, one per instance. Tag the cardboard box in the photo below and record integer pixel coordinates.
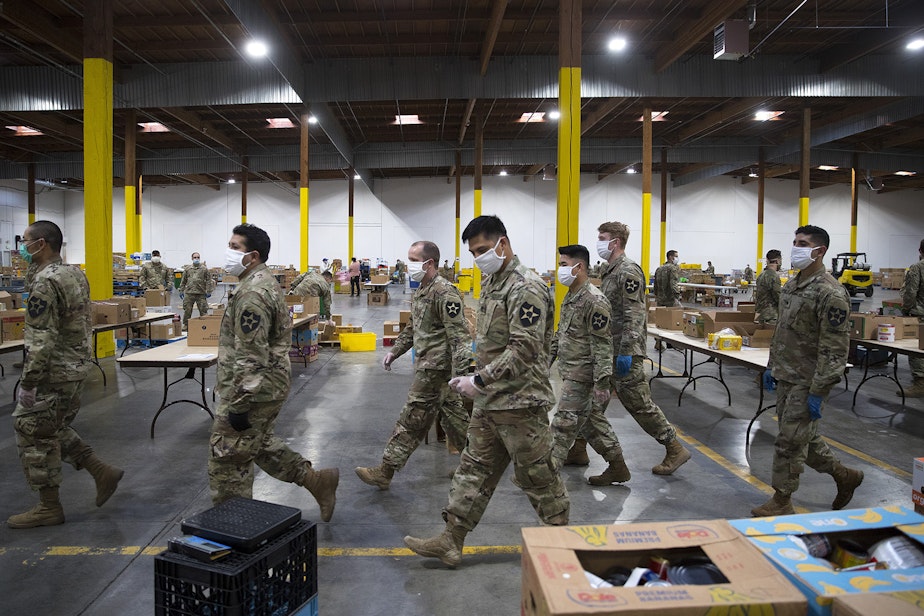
(693, 325)
(12, 325)
(203, 331)
(747, 307)
(758, 336)
(814, 576)
(304, 304)
(155, 297)
(715, 320)
(391, 328)
(862, 326)
(377, 298)
(7, 300)
(909, 603)
(110, 313)
(17, 300)
(708, 299)
(555, 558)
(377, 279)
(337, 319)
(165, 331)
(917, 485)
(669, 318)
(404, 317)
(136, 304)
(905, 327)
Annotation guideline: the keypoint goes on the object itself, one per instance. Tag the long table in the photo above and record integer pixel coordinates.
(146, 321)
(908, 346)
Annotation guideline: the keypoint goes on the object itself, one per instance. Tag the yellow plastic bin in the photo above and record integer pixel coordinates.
(354, 343)
(465, 283)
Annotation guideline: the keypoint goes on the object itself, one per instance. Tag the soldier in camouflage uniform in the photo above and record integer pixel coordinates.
(155, 275)
(767, 291)
(58, 338)
(710, 269)
(313, 284)
(195, 285)
(253, 382)
(913, 305)
(667, 282)
(749, 273)
(512, 395)
(437, 333)
(807, 358)
(584, 350)
(624, 285)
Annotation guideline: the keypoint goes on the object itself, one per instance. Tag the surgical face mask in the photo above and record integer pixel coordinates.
(155, 259)
(603, 249)
(566, 275)
(801, 257)
(24, 251)
(489, 262)
(416, 271)
(234, 261)
(196, 261)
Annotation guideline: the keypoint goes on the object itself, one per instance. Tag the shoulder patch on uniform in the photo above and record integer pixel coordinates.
(453, 309)
(37, 306)
(632, 285)
(529, 314)
(836, 316)
(598, 321)
(250, 321)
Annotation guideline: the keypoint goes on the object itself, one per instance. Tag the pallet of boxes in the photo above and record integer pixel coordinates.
(347, 337)
(892, 277)
(379, 294)
(305, 339)
(393, 328)
(12, 317)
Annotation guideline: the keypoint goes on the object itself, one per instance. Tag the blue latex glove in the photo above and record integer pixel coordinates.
(182, 295)
(208, 295)
(623, 365)
(769, 381)
(814, 404)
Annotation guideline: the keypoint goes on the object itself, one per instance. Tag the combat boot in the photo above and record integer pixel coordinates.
(916, 390)
(847, 480)
(577, 456)
(677, 456)
(106, 477)
(378, 476)
(48, 512)
(779, 504)
(323, 487)
(447, 546)
(616, 472)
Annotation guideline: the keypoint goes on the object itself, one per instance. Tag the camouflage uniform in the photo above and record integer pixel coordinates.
(443, 350)
(585, 361)
(154, 275)
(710, 270)
(624, 285)
(510, 419)
(913, 305)
(195, 285)
(667, 285)
(748, 274)
(253, 377)
(767, 296)
(58, 359)
(807, 356)
(313, 284)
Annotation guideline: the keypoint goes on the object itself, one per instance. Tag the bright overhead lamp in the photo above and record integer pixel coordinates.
(906, 173)
(409, 118)
(617, 43)
(502, 172)
(280, 123)
(256, 49)
(25, 131)
(232, 181)
(753, 174)
(554, 115)
(763, 116)
(357, 177)
(312, 120)
(828, 167)
(915, 44)
(532, 116)
(631, 170)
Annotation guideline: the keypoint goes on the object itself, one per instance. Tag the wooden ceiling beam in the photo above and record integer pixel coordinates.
(723, 115)
(597, 116)
(27, 16)
(905, 136)
(201, 179)
(902, 19)
(772, 172)
(715, 13)
(200, 126)
(491, 32)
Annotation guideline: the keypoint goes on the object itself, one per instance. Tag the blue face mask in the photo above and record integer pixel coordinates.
(24, 251)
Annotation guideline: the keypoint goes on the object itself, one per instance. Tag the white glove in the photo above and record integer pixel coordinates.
(465, 385)
(386, 362)
(27, 397)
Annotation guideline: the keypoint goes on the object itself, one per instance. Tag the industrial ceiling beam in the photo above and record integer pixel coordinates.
(490, 35)
(29, 17)
(903, 19)
(201, 127)
(715, 13)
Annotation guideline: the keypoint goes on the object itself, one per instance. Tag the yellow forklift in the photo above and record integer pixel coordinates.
(852, 271)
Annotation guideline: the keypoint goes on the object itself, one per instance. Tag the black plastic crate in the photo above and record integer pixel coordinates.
(277, 580)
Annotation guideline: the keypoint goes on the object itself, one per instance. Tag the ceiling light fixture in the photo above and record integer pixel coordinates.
(312, 120)
(153, 127)
(503, 172)
(25, 131)
(915, 44)
(554, 115)
(906, 173)
(357, 177)
(763, 116)
(617, 43)
(232, 181)
(828, 167)
(405, 119)
(535, 116)
(656, 116)
(280, 123)
(631, 170)
(753, 174)
(256, 49)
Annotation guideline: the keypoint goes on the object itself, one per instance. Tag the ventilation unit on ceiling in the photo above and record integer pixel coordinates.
(730, 40)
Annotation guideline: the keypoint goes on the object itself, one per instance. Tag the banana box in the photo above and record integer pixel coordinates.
(811, 549)
(557, 561)
(909, 603)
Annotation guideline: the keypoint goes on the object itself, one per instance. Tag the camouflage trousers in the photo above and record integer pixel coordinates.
(798, 442)
(429, 395)
(579, 414)
(635, 394)
(232, 454)
(44, 435)
(668, 301)
(194, 298)
(495, 438)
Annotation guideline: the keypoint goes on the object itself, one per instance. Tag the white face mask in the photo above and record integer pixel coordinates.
(416, 271)
(489, 262)
(155, 259)
(234, 261)
(566, 275)
(801, 257)
(603, 249)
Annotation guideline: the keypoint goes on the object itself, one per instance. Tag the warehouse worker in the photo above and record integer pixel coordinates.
(195, 285)
(437, 333)
(512, 396)
(807, 358)
(313, 284)
(667, 282)
(355, 274)
(749, 273)
(584, 350)
(913, 305)
(767, 291)
(58, 358)
(155, 275)
(710, 270)
(400, 268)
(253, 377)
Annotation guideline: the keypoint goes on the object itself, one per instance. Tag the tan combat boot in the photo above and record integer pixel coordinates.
(106, 477)
(916, 390)
(447, 546)
(378, 476)
(778, 504)
(48, 512)
(677, 456)
(616, 472)
(577, 456)
(323, 487)
(847, 480)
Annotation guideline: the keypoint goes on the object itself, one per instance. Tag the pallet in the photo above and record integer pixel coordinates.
(329, 343)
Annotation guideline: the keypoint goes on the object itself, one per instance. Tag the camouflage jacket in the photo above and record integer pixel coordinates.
(709, 271)
(748, 274)
(667, 284)
(436, 329)
(58, 330)
(196, 280)
(313, 284)
(582, 343)
(514, 338)
(253, 346)
(155, 275)
(811, 340)
(913, 290)
(767, 296)
(624, 285)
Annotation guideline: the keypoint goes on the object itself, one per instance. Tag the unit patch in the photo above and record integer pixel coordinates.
(599, 321)
(37, 306)
(529, 314)
(249, 321)
(632, 285)
(836, 316)
(453, 309)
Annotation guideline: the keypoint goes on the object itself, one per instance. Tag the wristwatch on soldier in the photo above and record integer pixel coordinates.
(478, 381)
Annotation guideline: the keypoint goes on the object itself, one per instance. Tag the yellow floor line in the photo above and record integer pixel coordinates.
(867, 458)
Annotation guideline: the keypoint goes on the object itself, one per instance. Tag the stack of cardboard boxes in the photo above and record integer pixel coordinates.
(379, 295)
(700, 324)
(393, 328)
(892, 277)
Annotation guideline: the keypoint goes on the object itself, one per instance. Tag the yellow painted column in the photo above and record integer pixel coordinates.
(663, 239)
(805, 169)
(351, 187)
(479, 163)
(854, 204)
(455, 263)
(130, 221)
(646, 193)
(760, 248)
(303, 227)
(761, 187)
(803, 211)
(304, 189)
(139, 195)
(646, 234)
(569, 167)
(476, 273)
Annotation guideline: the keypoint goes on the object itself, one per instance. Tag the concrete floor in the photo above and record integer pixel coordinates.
(340, 411)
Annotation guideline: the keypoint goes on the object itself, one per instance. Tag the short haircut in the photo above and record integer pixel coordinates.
(671, 254)
(576, 251)
(773, 255)
(255, 238)
(617, 230)
(819, 236)
(194, 254)
(429, 250)
(328, 275)
(155, 253)
(921, 247)
(48, 231)
(489, 226)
